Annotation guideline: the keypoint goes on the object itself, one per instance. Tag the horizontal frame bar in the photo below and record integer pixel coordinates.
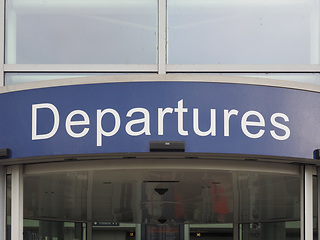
(170, 68)
(159, 77)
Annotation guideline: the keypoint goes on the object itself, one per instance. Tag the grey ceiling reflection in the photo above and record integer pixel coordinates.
(171, 196)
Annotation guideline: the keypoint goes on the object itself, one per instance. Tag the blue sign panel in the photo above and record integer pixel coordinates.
(125, 117)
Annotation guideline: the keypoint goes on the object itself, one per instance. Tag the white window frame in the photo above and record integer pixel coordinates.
(160, 68)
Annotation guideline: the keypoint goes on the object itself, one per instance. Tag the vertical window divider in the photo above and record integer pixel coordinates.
(2, 202)
(302, 202)
(318, 202)
(307, 214)
(17, 203)
(162, 36)
(2, 27)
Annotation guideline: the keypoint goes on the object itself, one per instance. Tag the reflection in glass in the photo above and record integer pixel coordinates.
(52, 230)
(206, 200)
(271, 230)
(223, 231)
(190, 196)
(267, 197)
(81, 32)
(56, 196)
(243, 32)
(273, 207)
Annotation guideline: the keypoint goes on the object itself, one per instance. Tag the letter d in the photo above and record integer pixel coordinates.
(55, 112)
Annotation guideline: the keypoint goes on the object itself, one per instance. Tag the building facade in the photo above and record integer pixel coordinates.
(159, 119)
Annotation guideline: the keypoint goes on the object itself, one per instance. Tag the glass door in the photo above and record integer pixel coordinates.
(53, 230)
(247, 201)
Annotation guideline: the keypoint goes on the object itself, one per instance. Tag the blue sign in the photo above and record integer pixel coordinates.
(125, 117)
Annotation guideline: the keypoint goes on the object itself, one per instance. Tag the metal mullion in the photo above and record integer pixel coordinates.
(162, 36)
(3, 213)
(2, 26)
(302, 203)
(307, 222)
(161, 68)
(236, 200)
(17, 203)
(318, 202)
(89, 205)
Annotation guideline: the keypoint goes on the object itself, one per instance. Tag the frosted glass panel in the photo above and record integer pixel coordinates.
(81, 32)
(243, 31)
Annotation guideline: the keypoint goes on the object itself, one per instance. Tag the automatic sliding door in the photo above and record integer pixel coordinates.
(245, 200)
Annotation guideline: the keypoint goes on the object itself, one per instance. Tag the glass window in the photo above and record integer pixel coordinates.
(310, 78)
(81, 32)
(23, 77)
(243, 31)
(55, 230)
(164, 203)
(20, 78)
(272, 209)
